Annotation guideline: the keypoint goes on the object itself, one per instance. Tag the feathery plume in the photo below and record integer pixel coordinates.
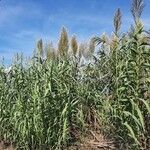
(117, 21)
(136, 9)
(91, 46)
(74, 45)
(40, 47)
(50, 51)
(104, 38)
(63, 44)
(81, 50)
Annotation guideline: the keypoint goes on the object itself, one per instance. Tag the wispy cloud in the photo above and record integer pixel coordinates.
(13, 13)
(8, 14)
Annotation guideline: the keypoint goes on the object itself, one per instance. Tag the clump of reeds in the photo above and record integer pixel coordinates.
(47, 104)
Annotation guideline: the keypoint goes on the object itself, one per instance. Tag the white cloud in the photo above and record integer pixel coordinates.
(8, 14)
(11, 13)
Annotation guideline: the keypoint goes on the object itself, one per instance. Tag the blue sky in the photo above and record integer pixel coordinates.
(23, 22)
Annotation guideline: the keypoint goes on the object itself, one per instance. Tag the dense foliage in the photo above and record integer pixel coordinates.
(47, 101)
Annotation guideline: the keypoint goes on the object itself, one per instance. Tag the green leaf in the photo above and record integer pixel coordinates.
(140, 116)
(131, 132)
(146, 104)
(127, 113)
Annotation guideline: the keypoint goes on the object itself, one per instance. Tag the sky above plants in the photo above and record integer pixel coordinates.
(23, 22)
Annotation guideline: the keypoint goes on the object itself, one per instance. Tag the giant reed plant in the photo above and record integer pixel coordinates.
(47, 102)
(42, 103)
(128, 63)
